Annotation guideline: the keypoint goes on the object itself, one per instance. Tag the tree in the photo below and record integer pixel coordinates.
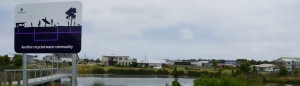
(245, 67)
(254, 70)
(86, 60)
(18, 61)
(215, 63)
(92, 60)
(283, 71)
(134, 64)
(175, 83)
(296, 72)
(6, 60)
(71, 14)
(175, 72)
(98, 60)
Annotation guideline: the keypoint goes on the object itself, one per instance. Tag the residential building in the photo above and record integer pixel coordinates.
(60, 57)
(290, 63)
(51, 58)
(265, 67)
(108, 60)
(230, 63)
(199, 63)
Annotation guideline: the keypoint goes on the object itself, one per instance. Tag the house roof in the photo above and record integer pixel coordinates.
(289, 59)
(265, 65)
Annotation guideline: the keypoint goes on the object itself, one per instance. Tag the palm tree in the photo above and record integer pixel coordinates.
(71, 14)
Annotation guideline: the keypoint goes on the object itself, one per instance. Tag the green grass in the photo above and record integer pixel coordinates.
(227, 81)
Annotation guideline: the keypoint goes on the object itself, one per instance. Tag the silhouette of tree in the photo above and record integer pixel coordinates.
(39, 23)
(71, 14)
(45, 22)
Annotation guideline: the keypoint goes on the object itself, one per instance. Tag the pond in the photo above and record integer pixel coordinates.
(130, 80)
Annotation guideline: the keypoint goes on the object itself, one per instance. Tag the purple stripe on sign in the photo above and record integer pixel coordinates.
(34, 33)
(57, 33)
(46, 40)
(49, 33)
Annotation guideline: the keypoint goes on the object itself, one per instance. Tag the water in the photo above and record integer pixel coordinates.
(130, 80)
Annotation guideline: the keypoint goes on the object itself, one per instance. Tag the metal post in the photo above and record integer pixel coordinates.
(35, 75)
(10, 80)
(5, 77)
(19, 80)
(73, 69)
(25, 80)
(52, 65)
(0, 79)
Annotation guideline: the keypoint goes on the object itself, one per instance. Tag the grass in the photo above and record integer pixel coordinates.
(281, 80)
(97, 69)
(227, 81)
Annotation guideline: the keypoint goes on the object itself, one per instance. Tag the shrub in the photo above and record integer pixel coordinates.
(131, 71)
(162, 72)
(175, 83)
(227, 81)
(283, 71)
(97, 70)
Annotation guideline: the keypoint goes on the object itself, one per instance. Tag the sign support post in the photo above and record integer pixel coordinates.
(25, 80)
(74, 69)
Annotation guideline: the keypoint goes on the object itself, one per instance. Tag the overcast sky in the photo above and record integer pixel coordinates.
(180, 29)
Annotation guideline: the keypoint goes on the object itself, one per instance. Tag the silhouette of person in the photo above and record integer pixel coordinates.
(31, 24)
(51, 21)
(68, 23)
(39, 23)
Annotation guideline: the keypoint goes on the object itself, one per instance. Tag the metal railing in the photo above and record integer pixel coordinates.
(34, 75)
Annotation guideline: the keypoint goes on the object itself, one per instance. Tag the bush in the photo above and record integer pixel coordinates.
(131, 71)
(227, 81)
(283, 71)
(97, 70)
(175, 83)
(162, 72)
(194, 73)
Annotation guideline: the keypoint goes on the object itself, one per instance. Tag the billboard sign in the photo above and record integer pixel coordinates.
(48, 27)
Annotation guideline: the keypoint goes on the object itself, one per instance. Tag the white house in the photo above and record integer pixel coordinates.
(290, 63)
(199, 63)
(265, 67)
(108, 60)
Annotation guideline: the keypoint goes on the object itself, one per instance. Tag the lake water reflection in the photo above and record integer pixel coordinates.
(130, 80)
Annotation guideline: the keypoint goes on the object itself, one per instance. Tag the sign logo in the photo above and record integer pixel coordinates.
(53, 28)
(21, 11)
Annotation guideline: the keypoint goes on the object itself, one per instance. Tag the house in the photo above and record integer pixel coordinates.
(291, 63)
(60, 58)
(265, 67)
(109, 60)
(230, 63)
(199, 63)
(150, 62)
(51, 58)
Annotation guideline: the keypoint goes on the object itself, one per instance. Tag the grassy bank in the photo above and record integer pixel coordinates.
(96, 69)
(228, 81)
(281, 80)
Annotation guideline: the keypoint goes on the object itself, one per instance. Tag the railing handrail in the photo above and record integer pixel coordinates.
(43, 69)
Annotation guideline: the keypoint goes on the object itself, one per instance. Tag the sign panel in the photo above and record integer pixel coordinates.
(48, 27)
